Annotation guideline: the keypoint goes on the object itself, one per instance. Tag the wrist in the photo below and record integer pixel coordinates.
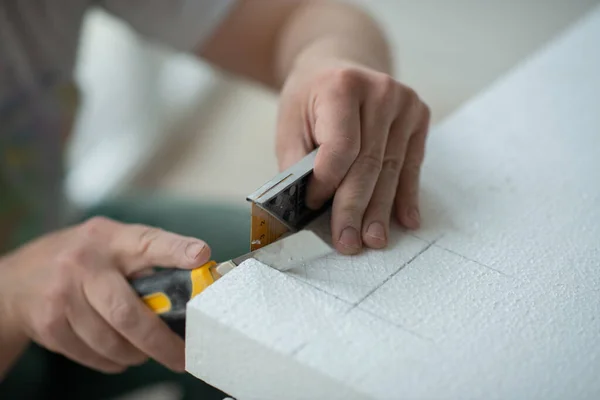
(335, 52)
(350, 49)
(332, 30)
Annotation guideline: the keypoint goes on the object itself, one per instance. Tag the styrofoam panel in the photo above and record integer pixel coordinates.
(252, 291)
(528, 222)
(437, 293)
(490, 361)
(352, 278)
(372, 356)
(496, 342)
(529, 206)
(499, 300)
(252, 370)
(537, 356)
(554, 248)
(512, 182)
(523, 156)
(483, 321)
(241, 331)
(537, 343)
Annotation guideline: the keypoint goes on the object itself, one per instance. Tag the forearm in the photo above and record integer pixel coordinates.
(319, 31)
(264, 40)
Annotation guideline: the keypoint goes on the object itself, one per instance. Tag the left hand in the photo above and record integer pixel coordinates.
(371, 131)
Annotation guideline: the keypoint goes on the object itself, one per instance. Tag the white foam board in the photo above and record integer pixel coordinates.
(496, 297)
(352, 279)
(243, 330)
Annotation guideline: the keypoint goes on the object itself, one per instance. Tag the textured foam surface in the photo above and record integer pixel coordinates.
(496, 297)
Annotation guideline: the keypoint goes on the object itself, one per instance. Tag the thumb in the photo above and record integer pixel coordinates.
(293, 140)
(139, 246)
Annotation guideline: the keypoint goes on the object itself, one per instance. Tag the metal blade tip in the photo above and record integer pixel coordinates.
(296, 249)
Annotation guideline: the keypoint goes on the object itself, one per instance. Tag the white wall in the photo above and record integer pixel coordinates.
(134, 95)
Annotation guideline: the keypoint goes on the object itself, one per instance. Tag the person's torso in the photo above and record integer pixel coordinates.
(38, 102)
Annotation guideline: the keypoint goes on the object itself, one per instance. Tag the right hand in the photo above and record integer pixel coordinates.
(68, 291)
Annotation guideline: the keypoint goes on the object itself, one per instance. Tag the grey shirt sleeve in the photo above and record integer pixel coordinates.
(180, 24)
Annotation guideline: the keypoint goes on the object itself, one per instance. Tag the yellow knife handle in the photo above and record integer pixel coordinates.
(168, 291)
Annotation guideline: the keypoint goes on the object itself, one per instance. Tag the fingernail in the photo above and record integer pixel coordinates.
(194, 250)
(349, 238)
(377, 231)
(414, 216)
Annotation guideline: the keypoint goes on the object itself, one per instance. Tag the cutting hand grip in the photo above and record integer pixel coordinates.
(168, 291)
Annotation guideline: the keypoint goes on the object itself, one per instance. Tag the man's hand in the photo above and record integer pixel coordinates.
(332, 63)
(371, 131)
(68, 291)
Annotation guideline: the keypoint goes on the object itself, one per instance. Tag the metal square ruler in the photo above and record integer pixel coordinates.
(279, 206)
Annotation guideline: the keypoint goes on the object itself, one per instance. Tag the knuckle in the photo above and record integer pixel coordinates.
(123, 316)
(68, 260)
(178, 245)
(351, 213)
(345, 79)
(148, 235)
(386, 89)
(370, 163)
(93, 226)
(391, 165)
(386, 82)
(410, 94)
(353, 205)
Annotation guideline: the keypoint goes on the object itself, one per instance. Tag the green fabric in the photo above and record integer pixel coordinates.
(42, 375)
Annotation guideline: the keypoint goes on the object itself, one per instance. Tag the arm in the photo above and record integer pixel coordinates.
(332, 66)
(286, 33)
(69, 291)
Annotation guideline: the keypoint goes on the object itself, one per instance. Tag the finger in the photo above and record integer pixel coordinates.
(121, 308)
(377, 216)
(337, 131)
(95, 332)
(60, 337)
(293, 135)
(356, 190)
(407, 197)
(139, 246)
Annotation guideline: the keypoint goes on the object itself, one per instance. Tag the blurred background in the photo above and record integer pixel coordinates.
(157, 120)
